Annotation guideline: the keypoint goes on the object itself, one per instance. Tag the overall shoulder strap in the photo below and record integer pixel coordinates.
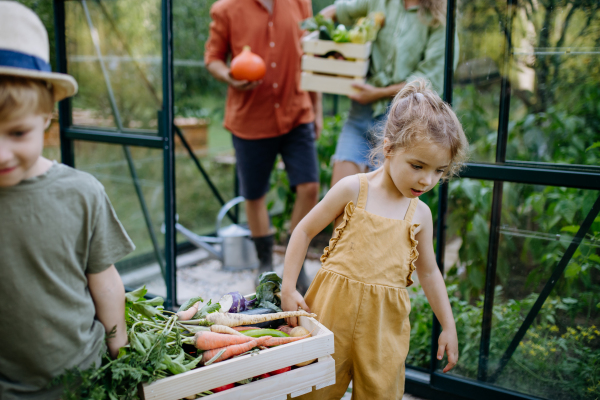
(364, 190)
(411, 210)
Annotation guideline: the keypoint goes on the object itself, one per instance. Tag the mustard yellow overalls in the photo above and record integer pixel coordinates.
(360, 294)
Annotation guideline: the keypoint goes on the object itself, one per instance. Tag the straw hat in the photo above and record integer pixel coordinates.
(24, 49)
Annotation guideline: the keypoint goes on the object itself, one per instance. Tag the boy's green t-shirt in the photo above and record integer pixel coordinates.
(54, 229)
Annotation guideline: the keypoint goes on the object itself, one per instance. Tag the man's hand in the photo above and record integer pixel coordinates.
(318, 125)
(448, 343)
(292, 301)
(242, 86)
(367, 94)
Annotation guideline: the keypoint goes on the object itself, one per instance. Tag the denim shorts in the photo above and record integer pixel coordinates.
(255, 160)
(356, 139)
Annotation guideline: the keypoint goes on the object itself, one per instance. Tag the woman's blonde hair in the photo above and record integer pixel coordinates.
(418, 114)
(23, 96)
(437, 10)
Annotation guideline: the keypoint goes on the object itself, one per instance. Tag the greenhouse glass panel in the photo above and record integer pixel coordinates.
(110, 165)
(467, 237)
(555, 78)
(114, 52)
(477, 79)
(560, 347)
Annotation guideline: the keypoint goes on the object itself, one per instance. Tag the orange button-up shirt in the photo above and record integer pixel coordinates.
(277, 105)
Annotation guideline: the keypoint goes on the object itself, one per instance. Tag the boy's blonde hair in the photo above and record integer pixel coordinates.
(22, 96)
(418, 114)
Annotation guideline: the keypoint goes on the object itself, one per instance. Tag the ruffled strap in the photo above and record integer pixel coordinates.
(337, 235)
(414, 254)
(363, 191)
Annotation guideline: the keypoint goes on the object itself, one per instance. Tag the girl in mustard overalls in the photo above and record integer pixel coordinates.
(383, 233)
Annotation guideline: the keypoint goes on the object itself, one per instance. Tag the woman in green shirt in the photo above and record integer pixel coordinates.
(410, 45)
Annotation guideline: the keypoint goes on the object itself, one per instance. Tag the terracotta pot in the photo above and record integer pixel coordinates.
(195, 131)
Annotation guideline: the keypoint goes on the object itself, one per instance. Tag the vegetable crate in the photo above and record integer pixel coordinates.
(292, 383)
(330, 75)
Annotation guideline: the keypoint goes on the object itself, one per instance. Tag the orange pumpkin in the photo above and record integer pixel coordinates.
(247, 66)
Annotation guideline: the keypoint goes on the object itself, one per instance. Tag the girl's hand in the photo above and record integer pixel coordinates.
(292, 301)
(448, 342)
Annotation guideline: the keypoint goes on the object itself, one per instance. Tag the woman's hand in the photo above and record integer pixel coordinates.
(448, 343)
(367, 94)
(292, 301)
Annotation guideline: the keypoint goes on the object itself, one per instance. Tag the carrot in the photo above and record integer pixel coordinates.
(225, 329)
(212, 340)
(244, 328)
(276, 341)
(186, 315)
(231, 319)
(229, 352)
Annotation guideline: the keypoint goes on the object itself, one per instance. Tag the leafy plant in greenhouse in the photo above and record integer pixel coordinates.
(561, 354)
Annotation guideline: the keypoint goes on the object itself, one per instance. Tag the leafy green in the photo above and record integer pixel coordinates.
(208, 308)
(269, 284)
(341, 34)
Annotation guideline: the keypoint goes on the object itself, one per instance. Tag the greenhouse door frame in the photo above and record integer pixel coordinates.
(164, 140)
(432, 383)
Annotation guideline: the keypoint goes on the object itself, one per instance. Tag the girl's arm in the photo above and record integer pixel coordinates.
(108, 295)
(433, 284)
(314, 222)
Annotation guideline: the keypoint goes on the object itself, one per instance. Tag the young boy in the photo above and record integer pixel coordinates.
(59, 235)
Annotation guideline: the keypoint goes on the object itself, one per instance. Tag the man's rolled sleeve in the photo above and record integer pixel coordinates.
(348, 11)
(217, 46)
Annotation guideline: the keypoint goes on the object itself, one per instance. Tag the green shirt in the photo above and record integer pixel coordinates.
(54, 229)
(405, 49)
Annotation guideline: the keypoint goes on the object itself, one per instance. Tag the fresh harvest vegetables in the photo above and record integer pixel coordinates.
(186, 315)
(262, 311)
(212, 340)
(247, 66)
(265, 332)
(278, 341)
(280, 371)
(299, 331)
(234, 302)
(244, 328)
(225, 329)
(267, 291)
(285, 328)
(228, 352)
(164, 343)
(223, 388)
(364, 30)
(231, 319)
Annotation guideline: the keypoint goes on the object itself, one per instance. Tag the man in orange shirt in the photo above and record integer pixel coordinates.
(269, 117)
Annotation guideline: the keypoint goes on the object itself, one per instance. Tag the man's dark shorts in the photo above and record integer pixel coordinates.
(255, 160)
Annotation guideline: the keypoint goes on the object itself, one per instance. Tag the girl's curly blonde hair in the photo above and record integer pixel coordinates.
(418, 114)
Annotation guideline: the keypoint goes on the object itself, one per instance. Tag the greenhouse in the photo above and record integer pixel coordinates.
(516, 235)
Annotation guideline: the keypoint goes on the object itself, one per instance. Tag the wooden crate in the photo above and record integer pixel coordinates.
(294, 383)
(330, 75)
(311, 44)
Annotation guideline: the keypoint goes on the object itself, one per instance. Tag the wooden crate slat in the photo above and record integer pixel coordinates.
(328, 83)
(328, 383)
(205, 378)
(336, 67)
(312, 45)
(279, 386)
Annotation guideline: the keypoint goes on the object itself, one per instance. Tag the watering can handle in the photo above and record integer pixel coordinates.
(225, 208)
